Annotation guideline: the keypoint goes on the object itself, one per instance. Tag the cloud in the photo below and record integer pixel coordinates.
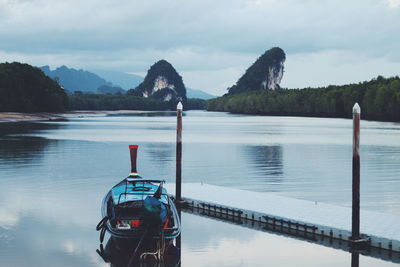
(8, 218)
(215, 81)
(393, 3)
(197, 37)
(335, 67)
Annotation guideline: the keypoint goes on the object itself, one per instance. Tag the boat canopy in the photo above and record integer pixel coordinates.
(136, 189)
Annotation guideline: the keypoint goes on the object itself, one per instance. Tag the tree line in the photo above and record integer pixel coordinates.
(379, 100)
(24, 88)
(82, 101)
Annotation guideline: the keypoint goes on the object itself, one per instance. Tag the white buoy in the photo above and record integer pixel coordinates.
(356, 109)
(179, 106)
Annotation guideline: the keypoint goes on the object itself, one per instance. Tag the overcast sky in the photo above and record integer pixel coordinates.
(209, 42)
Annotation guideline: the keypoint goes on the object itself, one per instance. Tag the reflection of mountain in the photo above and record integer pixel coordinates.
(18, 150)
(267, 160)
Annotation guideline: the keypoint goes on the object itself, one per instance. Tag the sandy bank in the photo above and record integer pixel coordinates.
(43, 116)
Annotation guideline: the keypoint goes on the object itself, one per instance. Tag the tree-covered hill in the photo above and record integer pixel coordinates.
(24, 88)
(379, 100)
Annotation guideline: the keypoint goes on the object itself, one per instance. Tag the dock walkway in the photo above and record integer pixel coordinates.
(308, 216)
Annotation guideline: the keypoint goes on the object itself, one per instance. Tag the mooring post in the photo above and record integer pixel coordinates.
(178, 197)
(355, 259)
(355, 230)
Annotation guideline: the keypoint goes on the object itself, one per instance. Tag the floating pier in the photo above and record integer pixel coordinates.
(305, 218)
(362, 230)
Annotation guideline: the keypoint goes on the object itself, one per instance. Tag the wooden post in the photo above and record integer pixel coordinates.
(355, 259)
(178, 197)
(355, 230)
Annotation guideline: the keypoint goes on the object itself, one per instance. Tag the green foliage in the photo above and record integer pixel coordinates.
(114, 102)
(195, 103)
(379, 100)
(24, 88)
(107, 89)
(80, 101)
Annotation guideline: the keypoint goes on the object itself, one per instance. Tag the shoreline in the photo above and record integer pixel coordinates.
(48, 116)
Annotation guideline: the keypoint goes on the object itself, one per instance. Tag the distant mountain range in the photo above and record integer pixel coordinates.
(192, 93)
(103, 81)
(120, 79)
(75, 80)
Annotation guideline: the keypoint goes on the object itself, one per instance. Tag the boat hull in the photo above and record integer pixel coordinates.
(109, 207)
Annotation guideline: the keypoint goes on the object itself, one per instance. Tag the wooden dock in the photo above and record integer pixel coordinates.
(300, 216)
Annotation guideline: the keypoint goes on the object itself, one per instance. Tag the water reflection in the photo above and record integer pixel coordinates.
(146, 114)
(35, 241)
(12, 128)
(119, 253)
(268, 159)
(126, 252)
(162, 154)
(21, 150)
(216, 243)
(54, 175)
(223, 230)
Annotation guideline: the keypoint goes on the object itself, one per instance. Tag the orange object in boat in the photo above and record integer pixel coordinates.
(136, 223)
(166, 223)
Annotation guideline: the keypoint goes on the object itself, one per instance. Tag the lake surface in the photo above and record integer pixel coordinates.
(53, 176)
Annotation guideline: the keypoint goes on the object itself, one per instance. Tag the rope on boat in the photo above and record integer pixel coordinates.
(159, 253)
(138, 246)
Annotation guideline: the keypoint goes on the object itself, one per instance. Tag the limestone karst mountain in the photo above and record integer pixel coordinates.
(161, 82)
(265, 73)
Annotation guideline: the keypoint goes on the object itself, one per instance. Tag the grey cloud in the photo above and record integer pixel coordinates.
(195, 35)
(236, 26)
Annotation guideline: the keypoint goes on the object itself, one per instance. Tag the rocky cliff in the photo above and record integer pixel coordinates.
(265, 73)
(161, 82)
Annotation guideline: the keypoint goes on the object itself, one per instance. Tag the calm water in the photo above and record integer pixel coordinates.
(54, 175)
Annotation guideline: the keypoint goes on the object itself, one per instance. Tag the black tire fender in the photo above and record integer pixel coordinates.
(102, 233)
(102, 223)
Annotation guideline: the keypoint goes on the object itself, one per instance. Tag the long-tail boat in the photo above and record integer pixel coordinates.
(140, 209)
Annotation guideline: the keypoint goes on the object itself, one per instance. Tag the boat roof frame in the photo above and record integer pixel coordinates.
(128, 179)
